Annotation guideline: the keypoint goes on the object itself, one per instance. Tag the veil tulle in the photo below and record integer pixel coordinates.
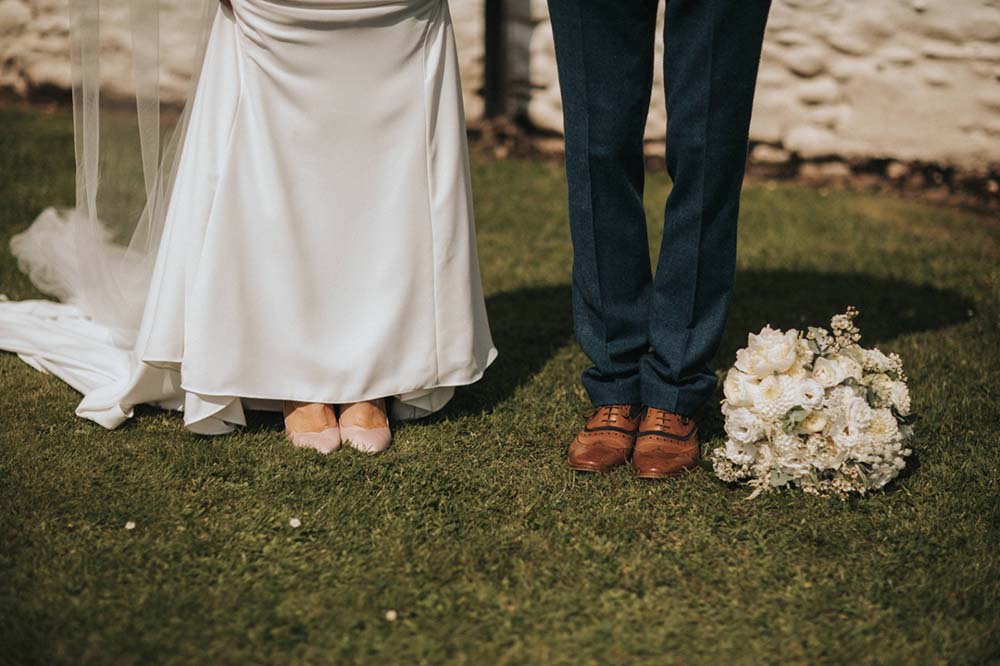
(99, 256)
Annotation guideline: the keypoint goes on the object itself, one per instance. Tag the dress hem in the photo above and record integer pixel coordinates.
(217, 393)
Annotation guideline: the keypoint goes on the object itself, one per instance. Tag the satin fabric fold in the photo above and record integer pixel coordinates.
(317, 242)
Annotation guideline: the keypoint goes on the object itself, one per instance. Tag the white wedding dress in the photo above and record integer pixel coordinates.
(318, 241)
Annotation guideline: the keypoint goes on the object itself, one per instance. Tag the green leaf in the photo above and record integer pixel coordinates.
(779, 478)
(793, 418)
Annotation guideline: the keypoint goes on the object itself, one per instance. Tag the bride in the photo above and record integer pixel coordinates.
(304, 243)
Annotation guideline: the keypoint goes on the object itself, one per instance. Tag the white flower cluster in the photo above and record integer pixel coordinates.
(814, 410)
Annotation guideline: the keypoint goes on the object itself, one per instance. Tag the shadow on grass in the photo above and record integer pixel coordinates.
(531, 324)
(890, 308)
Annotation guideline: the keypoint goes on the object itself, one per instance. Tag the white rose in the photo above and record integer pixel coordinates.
(768, 352)
(741, 454)
(743, 427)
(849, 367)
(828, 372)
(738, 388)
(825, 453)
(858, 412)
(795, 465)
(855, 416)
(842, 434)
(752, 363)
(899, 395)
(812, 393)
(813, 423)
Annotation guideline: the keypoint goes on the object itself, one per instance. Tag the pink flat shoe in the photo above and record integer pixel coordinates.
(326, 441)
(370, 431)
(367, 440)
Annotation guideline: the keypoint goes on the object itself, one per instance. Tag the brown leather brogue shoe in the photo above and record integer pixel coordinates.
(607, 439)
(667, 444)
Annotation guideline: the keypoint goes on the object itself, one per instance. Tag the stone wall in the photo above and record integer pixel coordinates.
(906, 80)
(911, 80)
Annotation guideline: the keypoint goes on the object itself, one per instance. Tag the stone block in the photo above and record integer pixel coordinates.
(818, 91)
(811, 142)
(763, 153)
(14, 16)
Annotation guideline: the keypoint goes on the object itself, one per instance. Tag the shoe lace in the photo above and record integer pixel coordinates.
(663, 418)
(608, 414)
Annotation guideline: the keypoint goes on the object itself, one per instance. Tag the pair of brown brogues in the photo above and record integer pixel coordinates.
(659, 443)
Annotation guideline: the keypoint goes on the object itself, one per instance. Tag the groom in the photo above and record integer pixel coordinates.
(649, 339)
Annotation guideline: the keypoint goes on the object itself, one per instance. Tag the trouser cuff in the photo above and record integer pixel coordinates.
(612, 392)
(684, 400)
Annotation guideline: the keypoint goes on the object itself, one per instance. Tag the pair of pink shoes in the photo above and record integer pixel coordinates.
(366, 440)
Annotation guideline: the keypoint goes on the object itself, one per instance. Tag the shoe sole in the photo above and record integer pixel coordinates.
(590, 470)
(665, 475)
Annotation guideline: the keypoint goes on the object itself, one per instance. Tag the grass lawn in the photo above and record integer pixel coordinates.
(471, 529)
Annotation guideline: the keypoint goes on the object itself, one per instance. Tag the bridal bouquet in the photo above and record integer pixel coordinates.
(814, 410)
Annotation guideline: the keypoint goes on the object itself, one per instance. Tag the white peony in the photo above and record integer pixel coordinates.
(768, 352)
(858, 412)
(828, 371)
(738, 388)
(743, 426)
(853, 417)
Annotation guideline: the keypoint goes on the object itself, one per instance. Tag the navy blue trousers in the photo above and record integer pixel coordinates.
(650, 340)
